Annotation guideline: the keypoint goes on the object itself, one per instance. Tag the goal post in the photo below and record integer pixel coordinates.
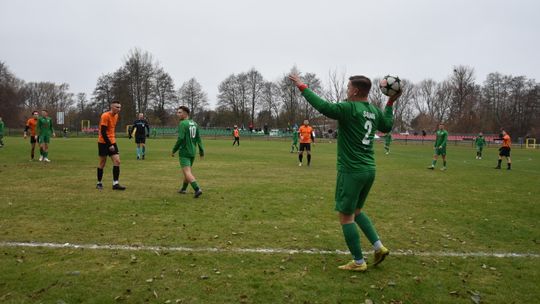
(85, 124)
(530, 143)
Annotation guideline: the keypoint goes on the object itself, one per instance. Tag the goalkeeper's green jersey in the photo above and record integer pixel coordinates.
(44, 126)
(480, 141)
(357, 124)
(188, 139)
(442, 137)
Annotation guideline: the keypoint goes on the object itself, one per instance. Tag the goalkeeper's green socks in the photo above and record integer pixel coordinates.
(367, 227)
(352, 238)
(195, 186)
(433, 163)
(184, 186)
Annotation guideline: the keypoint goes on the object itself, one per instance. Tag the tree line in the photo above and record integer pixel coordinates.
(248, 99)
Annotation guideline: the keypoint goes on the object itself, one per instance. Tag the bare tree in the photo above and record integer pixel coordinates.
(12, 95)
(270, 103)
(163, 95)
(192, 95)
(138, 70)
(255, 82)
(103, 93)
(404, 108)
(289, 97)
(337, 86)
(376, 97)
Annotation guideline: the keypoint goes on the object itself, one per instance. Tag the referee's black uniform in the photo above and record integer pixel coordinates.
(142, 130)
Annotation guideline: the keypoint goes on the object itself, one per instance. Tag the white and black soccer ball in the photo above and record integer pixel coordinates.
(390, 85)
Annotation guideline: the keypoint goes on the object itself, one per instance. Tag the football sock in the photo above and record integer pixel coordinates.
(143, 149)
(352, 238)
(45, 154)
(300, 156)
(509, 165)
(116, 173)
(365, 224)
(40, 151)
(359, 262)
(184, 186)
(433, 163)
(308, 159)
(138, 153)
(444, 163)
(99, 175)
(499, 163)
(195, 186)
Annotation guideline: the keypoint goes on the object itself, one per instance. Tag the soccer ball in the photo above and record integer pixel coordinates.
(390, 85)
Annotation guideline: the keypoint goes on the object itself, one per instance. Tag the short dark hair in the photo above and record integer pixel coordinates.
(115, 101)
(184, 108)
(45, 111)
(362, 83)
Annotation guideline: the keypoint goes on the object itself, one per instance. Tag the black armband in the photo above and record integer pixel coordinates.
(104, 135)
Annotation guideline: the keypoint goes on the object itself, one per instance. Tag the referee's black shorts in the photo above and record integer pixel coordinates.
(103, 150)
(140, 139)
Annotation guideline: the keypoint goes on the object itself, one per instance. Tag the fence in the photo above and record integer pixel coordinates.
(284, 135)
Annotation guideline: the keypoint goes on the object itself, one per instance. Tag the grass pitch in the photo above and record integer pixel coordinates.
(256, 196)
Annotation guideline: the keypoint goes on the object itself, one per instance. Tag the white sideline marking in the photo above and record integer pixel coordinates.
(263, 250)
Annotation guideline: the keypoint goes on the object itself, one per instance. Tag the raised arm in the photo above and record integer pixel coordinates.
(331, 110)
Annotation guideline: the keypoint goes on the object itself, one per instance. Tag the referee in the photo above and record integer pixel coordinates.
(142, 130)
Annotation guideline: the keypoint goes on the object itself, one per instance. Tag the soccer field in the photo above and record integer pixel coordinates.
(265, 230)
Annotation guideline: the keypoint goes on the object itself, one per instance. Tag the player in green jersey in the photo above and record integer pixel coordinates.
(358, 121)
(479, 142)
(45, 131)
(387, 142)
(186, 144)
(1, 132)
(440, 147)
(294, 140)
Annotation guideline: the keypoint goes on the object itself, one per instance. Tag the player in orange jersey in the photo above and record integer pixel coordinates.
(236, 134)
(31, 124)
(504, 150)
(107, 145)
(306, 138)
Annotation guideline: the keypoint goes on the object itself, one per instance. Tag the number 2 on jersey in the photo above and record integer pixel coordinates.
(368, 126)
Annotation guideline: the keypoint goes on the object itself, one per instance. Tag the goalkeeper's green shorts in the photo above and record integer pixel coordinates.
(186, 161)
(352, 190)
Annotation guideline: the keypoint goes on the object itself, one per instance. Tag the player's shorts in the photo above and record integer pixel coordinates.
(504, 151)
(306, 146)
(44, 139)
(186, 161)
(33, 139)
(479, 148)
(440, 151)
(140, 139)
(352, 190)
(103, 150)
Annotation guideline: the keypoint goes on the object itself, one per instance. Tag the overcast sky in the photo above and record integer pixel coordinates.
(76, 41)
